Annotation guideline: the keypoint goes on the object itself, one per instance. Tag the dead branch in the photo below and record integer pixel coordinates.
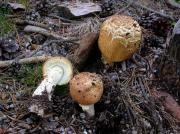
(10, 16)
(29, 22)
(24, 61)
(63, 19)
(45, 32)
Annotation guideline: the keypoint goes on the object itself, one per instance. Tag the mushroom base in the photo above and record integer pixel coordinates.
(89, 109)
(51, 80)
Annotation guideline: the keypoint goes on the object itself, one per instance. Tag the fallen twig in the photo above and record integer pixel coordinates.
(10, 16)
(29, 22)
(24, 61)
(46, 32)
(63, 19)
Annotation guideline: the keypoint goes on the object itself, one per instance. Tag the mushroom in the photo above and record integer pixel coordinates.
(56, 71)
(119, 38)
(86, 89)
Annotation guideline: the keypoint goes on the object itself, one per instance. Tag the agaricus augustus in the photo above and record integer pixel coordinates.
(119, 38)
(56, 71)
(86, 89)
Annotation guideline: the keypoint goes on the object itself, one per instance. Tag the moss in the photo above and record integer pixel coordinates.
(6, 26)
(30, 74)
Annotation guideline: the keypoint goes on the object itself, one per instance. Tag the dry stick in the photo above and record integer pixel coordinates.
(24, 61)
(10, 16)
(64, 19)
(29, 22)
(46, 33)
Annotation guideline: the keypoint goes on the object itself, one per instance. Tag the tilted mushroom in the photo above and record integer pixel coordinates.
(56, 71)
(86, 88)
(119, 38)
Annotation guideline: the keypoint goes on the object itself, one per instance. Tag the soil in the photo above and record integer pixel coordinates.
(127, 105)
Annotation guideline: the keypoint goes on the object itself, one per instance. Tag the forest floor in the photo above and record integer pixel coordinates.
(139, 93)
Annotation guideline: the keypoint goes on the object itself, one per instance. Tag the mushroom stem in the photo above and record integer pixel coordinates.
(49, 82)
(89, 109)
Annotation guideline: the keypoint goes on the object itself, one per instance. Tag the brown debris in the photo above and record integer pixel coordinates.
(169, 103)
(82, 52)
(3, 131)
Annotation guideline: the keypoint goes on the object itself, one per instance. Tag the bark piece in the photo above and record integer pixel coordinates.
(81, 54)
(77, 10)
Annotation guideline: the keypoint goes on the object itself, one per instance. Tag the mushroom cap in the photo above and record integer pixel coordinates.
(119, 38)
(86, 88)
(61, 62)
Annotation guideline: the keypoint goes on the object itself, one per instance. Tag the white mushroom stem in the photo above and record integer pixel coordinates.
(89, 109)
(54, 76)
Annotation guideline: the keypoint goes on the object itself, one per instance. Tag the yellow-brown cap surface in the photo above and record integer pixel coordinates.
(86, 88)
(119, 38)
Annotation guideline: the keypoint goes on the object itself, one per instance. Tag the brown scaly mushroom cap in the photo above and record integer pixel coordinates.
(86, 88)
(119, 38)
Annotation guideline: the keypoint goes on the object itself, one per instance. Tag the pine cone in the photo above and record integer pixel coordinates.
(8, 48)
(62, 104)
